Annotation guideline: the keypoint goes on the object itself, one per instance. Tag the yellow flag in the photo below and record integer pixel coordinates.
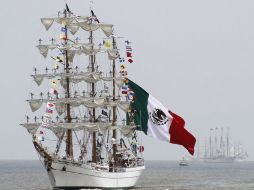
(107, 43)
(54, 82)
(122, 67)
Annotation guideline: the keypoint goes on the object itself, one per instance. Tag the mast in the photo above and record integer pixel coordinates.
(114, 108)
(92, 63)
(222, 146)
(69, 145)
(210, 142)
(198, 148)
(228, 142)
(215, 141)
(205, 148)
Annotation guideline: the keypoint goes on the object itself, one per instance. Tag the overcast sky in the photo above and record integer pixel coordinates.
(195, 56)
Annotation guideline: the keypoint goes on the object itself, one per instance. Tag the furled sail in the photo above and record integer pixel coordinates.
(71, 54)
(77, 77)
(31, 127)
(89, 126)
(113, 54)
(43, 50)
(35, 105)
(88, 102)
(59, 128)
(64, 20)
(73, 28)
(75, 23)
(74, 49)
(89, 50)
(38, 79)
(127, 130)
(88, 27)
(59, 132)
(107, 29)
(47, 22)
(60, 108)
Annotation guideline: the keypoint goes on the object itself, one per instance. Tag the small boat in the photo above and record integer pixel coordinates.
(183, 162)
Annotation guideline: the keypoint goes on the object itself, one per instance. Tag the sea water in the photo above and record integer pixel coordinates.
(159, 175)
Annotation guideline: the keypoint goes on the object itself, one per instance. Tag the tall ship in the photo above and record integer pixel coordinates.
(220, 149)
(88, 132)
(85, 136)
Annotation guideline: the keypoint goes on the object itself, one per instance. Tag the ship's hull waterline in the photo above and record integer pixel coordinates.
(220, 160)
(66, 176)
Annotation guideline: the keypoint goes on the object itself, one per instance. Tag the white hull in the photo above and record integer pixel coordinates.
(81, 177)
(183, 163)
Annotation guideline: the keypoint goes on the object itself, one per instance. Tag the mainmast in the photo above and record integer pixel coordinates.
(92, 64)
(69, 145)
(114, 108)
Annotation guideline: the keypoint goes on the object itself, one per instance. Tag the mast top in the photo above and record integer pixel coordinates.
(91, 4)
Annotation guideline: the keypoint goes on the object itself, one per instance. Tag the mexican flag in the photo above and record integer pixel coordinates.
(157, 121)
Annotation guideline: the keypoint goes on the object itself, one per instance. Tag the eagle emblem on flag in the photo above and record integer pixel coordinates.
(158, 117)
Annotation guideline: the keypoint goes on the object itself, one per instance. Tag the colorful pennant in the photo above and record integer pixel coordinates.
(128, 51)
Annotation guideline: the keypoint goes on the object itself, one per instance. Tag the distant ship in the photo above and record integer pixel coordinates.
(183, 162)
(220, 149)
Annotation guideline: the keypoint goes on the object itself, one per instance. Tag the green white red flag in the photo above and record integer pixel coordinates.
(157, 121)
